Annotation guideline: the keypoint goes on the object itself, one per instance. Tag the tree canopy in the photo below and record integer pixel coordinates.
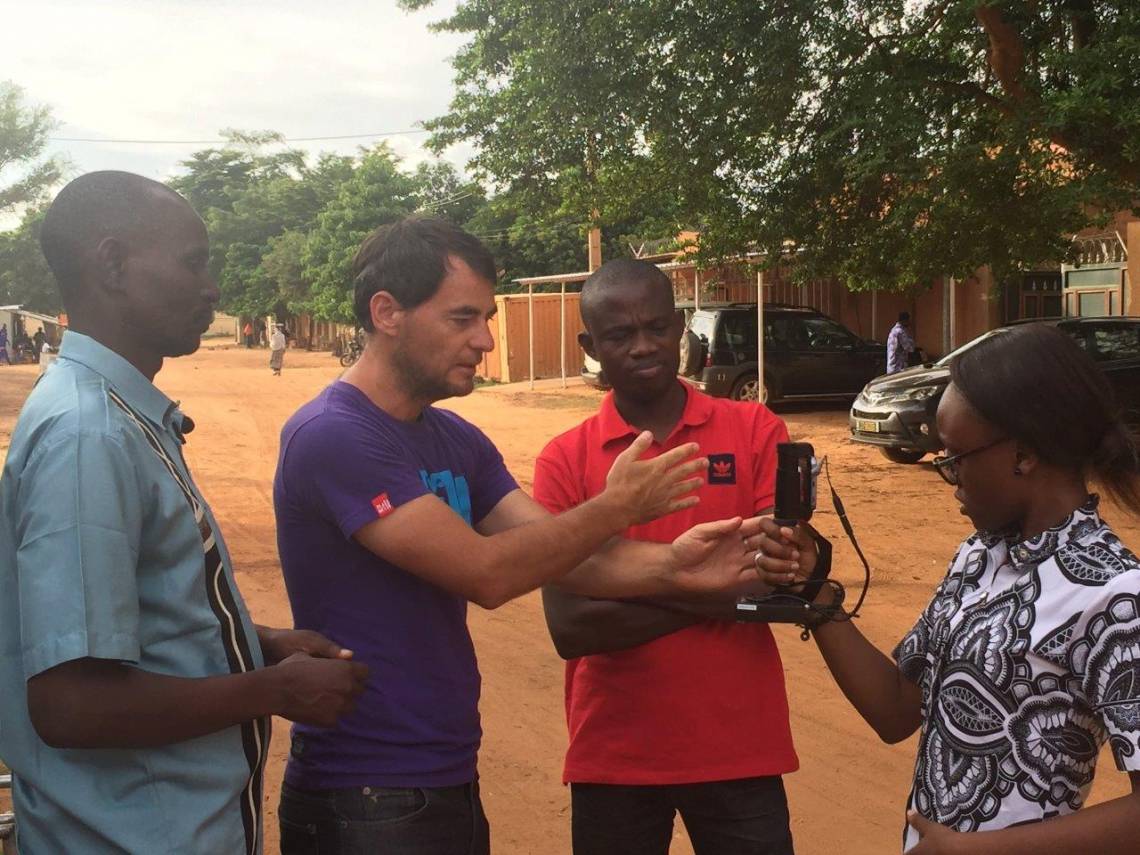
(26, 174)
(886, 142)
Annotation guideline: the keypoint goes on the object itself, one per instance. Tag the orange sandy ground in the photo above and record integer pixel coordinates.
(849, 793)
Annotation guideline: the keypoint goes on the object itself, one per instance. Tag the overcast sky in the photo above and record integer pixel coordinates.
(166, 70)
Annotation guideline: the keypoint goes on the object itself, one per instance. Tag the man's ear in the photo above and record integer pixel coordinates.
(587, 342)
(111, 263)
(386, 312)
(1026, 460)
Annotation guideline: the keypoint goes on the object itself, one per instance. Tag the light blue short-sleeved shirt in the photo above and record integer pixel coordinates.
(108, 551)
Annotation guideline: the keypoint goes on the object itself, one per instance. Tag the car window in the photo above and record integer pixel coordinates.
(826, 334)
(738, 329)
(702, 326)
(785, 332)
(1116, 341)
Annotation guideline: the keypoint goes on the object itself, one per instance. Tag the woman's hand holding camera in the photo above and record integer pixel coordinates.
(788, 556)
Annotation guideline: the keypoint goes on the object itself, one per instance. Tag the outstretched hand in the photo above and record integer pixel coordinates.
(647, 489)
(716, 556)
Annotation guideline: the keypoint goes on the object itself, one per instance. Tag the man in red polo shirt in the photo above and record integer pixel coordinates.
(671, 705)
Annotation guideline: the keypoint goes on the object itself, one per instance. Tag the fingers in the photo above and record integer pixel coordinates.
(681, 504)
(323, 648)
(359, 672)
(684, 487)
(717, 529)
(777, 548)
(920, 823)
(677, 456)
(751, 526)
(638, 447)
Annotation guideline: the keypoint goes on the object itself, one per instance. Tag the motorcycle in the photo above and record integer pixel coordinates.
(351, 353)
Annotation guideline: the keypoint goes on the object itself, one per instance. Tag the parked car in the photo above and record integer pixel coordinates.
(896, 412)
(807, 355)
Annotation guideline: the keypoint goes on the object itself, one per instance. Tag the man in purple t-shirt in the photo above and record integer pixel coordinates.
(393, 514)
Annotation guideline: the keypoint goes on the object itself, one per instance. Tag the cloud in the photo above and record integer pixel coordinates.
(160, 69)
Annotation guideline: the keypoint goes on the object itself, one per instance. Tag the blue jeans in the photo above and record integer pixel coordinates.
(384, 821)
(743, 817)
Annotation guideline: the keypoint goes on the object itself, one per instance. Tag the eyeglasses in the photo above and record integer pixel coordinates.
(947, 467)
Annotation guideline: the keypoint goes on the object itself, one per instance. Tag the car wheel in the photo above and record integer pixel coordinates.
(748, 388)
(900, 455)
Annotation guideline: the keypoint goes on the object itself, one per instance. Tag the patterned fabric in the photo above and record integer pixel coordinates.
(1028, 658)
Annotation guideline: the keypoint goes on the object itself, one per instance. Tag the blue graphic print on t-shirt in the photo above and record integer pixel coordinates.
(452, 489)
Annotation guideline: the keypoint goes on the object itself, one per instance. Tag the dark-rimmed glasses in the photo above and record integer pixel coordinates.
(947, 467)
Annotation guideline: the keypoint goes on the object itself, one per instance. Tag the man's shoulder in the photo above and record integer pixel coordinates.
(67, 402)
(583, 435)
(750, 415)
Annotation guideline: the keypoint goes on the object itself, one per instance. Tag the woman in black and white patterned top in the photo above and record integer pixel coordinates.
(1028, 657)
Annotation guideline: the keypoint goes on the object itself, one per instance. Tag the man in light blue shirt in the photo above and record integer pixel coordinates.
(134, 697)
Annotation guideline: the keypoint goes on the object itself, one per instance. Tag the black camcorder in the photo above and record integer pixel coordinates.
(797, 475)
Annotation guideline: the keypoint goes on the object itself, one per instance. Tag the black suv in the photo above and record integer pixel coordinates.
(896, 412)
(807, 355)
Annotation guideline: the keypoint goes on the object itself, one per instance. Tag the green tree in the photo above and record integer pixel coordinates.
(26, 175)
(378, 192)
(24, 275)
(249, 197)
(884, 141)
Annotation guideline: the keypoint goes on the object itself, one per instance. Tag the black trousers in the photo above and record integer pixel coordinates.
(384, 821)
(743, 817)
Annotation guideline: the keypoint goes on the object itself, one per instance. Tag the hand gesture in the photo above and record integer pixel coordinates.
(318, 691)
(280, 644)
(716, 556)
(648, 489)
(935, 839)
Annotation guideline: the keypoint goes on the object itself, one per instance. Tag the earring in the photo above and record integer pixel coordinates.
(1017, 470)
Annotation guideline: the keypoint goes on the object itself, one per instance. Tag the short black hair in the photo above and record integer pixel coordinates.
(619, 273)
(904, 317)
(409, 260)
(100, 204)
(1039, 387)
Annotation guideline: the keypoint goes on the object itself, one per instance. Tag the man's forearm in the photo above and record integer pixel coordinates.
(109, 705)
(623, 569)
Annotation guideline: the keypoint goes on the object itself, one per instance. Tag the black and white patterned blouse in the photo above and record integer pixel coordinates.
(1028, 657)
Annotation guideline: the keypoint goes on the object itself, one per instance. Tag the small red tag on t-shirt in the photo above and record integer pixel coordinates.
(383, 505)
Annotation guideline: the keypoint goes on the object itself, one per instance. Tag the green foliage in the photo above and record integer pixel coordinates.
(377, 193)
(25, 279)
(25, 174)
(888, 142)
(283, 231)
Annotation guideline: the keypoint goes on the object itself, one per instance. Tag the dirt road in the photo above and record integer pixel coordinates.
(849, 793)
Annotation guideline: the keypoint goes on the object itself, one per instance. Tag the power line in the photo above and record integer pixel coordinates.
(226, 142)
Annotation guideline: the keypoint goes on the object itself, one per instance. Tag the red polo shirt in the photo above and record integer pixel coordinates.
(706, 703)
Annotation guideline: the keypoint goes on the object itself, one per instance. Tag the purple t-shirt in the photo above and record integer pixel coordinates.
(343, 463)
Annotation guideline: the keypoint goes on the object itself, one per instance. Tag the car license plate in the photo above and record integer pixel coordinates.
(867, 425)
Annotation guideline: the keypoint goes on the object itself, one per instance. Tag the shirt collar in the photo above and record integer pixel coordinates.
(138, 392)
(1034, 550)
(698, 410)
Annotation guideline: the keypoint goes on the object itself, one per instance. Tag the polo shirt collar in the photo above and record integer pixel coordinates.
(138, 392)
(698, 410)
